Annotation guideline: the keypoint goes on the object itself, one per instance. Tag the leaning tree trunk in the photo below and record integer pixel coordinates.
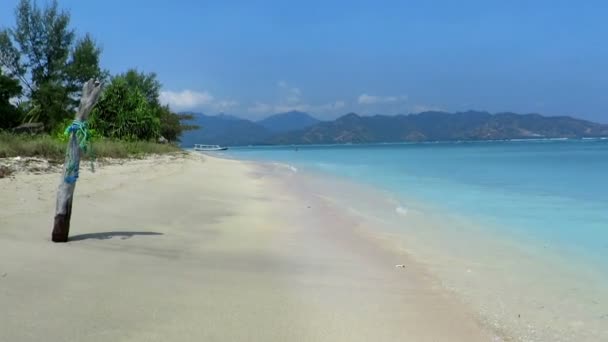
(65, 193)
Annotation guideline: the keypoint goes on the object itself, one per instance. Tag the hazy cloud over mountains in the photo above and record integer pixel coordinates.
(288, 97)
(190, 99)
(366, 99)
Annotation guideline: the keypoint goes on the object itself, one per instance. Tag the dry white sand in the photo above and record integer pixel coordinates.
(205, 249)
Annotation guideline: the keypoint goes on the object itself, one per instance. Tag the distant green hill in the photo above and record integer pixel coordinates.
(297, 128)
(231, 131)
(286, 122)
(224, 130)
(434, 126)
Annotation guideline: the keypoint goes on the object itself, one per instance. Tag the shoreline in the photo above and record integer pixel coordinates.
(519, 292)
(472, 276)
(197, 247)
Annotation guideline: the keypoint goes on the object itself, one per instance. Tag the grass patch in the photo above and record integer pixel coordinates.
(106, 148)
(12, 145)
(45, 146)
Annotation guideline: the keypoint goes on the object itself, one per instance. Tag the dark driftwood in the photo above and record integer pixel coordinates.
(65, 193)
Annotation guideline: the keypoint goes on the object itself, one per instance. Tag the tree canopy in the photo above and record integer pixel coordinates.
(130, 109)
(43, 52)
(124, 113)
(9, 113)
(46, 63)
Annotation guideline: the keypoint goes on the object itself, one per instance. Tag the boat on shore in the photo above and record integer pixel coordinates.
(201, 147)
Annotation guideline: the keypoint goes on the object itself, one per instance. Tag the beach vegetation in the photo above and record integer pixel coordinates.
(9, 112)
(44, 63)
(130, 109)
(124, 112)
(49, 147)
(51, 63)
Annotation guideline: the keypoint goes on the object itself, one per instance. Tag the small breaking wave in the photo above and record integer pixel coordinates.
(286, 166)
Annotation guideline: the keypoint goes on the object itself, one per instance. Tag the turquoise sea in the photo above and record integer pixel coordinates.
(546, 190)
(542, 195)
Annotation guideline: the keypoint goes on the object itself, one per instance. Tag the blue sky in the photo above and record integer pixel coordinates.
(254, 58)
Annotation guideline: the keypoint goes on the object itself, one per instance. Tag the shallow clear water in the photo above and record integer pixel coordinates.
(519, 229)
(544, 192)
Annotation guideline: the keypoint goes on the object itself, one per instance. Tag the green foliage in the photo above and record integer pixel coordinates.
(45, 146)
(44, 38)
(130, 109)
(12, 145)
(49, 103)
(10, 57)
(43, 55)
(124, 113)
(9, 114)
(123, 149)
(42, 52)
(146, 83)
(171, 124)
(59, 132)
(84, 63)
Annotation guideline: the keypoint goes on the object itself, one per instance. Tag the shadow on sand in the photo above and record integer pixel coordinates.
(109, 235)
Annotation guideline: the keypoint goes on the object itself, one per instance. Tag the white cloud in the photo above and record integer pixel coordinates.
(280, 108)
(186, 99)
(288, 93)
(331, 106)
(266, 108)
(225, 104)
(374, 99)
(367, 99)
(190, 99)
(260, 108)
(290, 99)
(419, 108)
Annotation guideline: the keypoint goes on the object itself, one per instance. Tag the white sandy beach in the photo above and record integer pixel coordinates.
(198, 248)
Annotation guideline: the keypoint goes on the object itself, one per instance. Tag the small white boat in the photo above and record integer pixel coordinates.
(200, 147)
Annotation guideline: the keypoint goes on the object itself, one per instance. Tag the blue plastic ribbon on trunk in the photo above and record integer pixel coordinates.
(79, 128)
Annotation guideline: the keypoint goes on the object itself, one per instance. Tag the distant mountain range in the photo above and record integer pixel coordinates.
(286, 122)
(301, 128)
(224, 130)
(231, 131)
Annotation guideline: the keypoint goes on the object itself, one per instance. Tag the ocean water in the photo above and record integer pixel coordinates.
(547, 198)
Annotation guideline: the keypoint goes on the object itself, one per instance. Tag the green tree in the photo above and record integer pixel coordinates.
(171, 124)
(84, 64)
(124, 113)
(146, 83)
(41, 50)
(9, 114)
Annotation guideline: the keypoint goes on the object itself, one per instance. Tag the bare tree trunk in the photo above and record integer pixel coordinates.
(65, 193)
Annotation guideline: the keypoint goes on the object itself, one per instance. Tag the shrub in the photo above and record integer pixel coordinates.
(123, 112)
